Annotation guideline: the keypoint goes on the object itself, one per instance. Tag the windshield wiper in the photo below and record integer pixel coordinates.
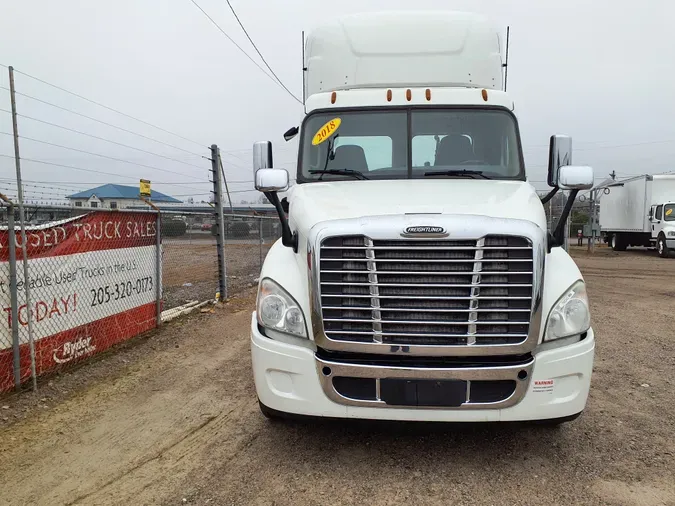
(473, 174)
(340, 172)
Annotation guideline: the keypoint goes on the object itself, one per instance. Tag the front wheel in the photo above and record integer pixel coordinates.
(661, 247)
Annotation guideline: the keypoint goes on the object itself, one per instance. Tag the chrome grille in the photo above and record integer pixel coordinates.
(427, 292)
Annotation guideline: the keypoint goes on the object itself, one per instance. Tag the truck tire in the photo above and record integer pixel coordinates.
(618, 243)
(661, 247)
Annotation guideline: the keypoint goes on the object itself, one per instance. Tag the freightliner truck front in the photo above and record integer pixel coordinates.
(416, 278)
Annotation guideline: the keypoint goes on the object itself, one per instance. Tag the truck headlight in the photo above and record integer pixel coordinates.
(570, 315)
(278, 311)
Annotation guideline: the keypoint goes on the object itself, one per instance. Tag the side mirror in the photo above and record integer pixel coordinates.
(559, 155)
(262, 156)
(575, 177)
(290, 133)
(271, 180)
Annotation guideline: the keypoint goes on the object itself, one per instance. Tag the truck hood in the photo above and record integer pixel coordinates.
(312, 203)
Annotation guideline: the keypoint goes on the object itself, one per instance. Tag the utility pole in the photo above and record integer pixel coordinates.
(595, 217)
(220, 221)
(591, 217)
(22, 221)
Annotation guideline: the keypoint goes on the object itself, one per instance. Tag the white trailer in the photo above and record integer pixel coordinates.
(640, 212)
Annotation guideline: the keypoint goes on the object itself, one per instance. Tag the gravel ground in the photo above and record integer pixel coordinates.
(171, 418)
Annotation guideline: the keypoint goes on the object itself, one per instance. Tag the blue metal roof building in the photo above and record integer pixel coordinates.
(121, 192)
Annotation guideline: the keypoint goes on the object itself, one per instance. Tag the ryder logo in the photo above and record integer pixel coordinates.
(73, 349)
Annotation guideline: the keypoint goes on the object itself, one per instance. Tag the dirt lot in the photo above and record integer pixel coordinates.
(173, 419)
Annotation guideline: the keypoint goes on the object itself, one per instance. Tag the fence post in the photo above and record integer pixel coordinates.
(220, 222)
(14, 296)
(260, 240)
(158, 269)
(22, 220)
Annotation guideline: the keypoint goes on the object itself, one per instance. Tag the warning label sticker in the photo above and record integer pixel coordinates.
(543, 386)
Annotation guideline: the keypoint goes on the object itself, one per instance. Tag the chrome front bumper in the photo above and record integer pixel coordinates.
(519, 373)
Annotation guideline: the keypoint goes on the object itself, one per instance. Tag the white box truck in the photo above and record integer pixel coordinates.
(640, 212)
(415, 278)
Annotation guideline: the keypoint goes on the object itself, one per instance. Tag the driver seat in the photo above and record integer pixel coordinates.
(349, 156)
(453, 150)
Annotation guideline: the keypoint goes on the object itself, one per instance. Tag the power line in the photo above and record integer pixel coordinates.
(81, 183)
(102, 122)
(591, 148)
(69, 167)
(277, 82)
(626, 145)
(99, 154)
(77, 186)
(106, 107)
(102, 139)
(259, 53)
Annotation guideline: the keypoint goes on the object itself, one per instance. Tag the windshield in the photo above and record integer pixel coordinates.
(669, 212)
(415, 143)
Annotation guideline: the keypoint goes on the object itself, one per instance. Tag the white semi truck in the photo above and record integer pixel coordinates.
(416, 278)
(640, 212)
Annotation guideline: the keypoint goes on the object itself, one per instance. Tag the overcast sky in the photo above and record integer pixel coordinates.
(601, 71)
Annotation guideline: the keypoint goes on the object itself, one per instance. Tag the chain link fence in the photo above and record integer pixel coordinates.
(98, 277)
(189, 258)
(90, 281)
(247, 241)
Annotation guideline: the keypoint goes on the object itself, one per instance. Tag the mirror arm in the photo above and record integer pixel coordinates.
(288, 238)
(559, 233)
(549, 195)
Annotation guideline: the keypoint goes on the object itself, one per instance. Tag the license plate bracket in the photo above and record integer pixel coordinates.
(430, 393)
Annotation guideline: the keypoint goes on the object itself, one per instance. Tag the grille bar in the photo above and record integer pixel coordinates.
(402, 334)
(431, 273)
(434, 285)
(423, 310)
(425, 260)
(431, 322)
(415, 297)
(426, 248)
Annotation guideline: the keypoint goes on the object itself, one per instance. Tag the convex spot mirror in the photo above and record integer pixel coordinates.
(575, 177)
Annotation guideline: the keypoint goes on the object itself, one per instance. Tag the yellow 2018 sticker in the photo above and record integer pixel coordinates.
(326, 131)
(669, 211)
